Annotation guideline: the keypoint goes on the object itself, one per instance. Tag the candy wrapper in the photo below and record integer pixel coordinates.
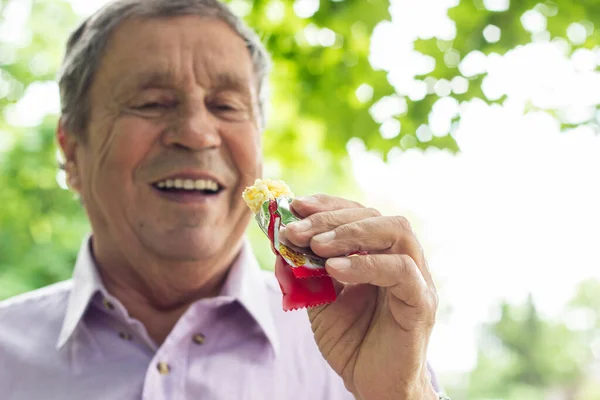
(301, 274)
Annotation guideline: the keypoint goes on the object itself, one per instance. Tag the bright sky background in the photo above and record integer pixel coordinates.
(517, 211)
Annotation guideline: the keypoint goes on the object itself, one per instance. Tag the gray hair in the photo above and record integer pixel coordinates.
(86, 46)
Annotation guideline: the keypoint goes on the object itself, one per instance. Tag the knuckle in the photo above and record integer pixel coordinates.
(404, 265)
(368, 265)
(321, 197)
(419, 319)
(435, 299)
(351, 237)
(403, 222)
(373, 212)
(407, 269)
(425, 319)
(357, 204)
(430, 318)
(426, 313)
(325, 219)
(430, 302)
(344, 238)
(347, 230)
(336, 203)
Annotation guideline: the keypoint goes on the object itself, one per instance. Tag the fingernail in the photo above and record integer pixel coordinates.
(324, 237)
(307, 200)
(300, 226)
(340, 264)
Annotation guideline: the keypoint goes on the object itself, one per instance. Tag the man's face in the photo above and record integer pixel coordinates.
(173, 104)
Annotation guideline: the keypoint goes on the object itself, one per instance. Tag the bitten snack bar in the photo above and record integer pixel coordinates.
(301, 274)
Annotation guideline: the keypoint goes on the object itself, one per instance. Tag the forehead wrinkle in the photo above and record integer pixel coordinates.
(194, 62)
(223, 65)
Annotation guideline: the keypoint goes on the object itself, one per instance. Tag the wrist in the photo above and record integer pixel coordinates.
(421, 390)
(426, 392)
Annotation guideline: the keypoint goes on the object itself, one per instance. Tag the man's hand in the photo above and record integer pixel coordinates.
(375, 335)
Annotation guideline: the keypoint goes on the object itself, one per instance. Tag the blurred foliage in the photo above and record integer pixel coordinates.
(315, 112)
(41, 224)
(524, 356)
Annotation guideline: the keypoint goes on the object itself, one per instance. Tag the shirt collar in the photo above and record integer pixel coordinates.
(86, 283)
(245, 283)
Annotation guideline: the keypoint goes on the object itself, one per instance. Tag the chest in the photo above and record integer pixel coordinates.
(212, 365)
(239, 374)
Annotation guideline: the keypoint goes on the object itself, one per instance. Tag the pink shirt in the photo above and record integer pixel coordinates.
(73, 340)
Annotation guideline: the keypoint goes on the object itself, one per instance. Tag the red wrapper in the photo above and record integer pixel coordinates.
(302, 292)
(303, 279)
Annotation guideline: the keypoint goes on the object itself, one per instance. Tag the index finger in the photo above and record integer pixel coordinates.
(307, 206)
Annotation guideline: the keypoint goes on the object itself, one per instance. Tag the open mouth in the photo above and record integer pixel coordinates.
(189, 186)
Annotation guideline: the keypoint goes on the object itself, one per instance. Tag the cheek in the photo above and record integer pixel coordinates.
(245, 147)
(132, 140)
(125, 144)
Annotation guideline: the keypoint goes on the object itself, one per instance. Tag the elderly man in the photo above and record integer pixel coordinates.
(161, 131)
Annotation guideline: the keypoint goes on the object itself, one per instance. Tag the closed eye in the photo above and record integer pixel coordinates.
(151, 106)
(225, 107)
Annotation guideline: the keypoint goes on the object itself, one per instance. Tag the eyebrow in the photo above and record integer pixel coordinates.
(225, 80)
(153, 80)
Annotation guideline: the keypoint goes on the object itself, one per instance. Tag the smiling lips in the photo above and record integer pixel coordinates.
(205, 185)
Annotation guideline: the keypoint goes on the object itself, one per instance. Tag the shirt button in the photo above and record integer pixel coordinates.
(199, 338)
(108, 305)
(163, 368)
(125, 336)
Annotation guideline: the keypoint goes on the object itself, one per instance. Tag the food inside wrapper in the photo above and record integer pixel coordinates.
(301, 274)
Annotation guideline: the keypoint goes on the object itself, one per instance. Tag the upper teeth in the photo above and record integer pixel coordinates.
(189, 184)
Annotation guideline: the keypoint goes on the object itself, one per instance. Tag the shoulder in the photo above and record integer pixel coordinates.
(36, 300)
(39, 312)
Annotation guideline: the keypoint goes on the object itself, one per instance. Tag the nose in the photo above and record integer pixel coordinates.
(195, 129)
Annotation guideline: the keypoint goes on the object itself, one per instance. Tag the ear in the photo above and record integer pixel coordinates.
(69, 144)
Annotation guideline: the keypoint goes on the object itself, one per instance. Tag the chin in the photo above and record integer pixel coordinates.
(193, 247)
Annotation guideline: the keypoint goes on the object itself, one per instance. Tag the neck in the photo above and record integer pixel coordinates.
(157, 294)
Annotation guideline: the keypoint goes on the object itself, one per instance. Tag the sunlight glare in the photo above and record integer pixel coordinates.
(306, 8)
(492, 33)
